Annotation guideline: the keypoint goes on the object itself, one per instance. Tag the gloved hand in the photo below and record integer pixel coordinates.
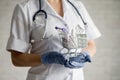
(78, 61)
(53, 57)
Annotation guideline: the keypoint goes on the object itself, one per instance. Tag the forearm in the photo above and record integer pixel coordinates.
(91, 48)
(25, 59)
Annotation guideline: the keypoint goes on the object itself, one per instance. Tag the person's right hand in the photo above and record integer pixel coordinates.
(53, 57)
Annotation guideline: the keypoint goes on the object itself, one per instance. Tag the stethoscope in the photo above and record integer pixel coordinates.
(45, 14)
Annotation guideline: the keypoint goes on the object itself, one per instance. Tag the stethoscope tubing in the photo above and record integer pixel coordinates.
(40, 10)
(77, 12)
(45, 13)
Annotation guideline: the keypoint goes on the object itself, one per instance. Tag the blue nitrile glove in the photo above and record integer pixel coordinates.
(52, 57)
(78, 61)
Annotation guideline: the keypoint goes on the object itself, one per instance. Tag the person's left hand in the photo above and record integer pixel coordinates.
(78, 61)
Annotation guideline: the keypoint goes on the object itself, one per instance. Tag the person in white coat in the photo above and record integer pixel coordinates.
(32, 43)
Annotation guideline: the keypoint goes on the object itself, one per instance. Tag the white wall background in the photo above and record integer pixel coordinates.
(106, 62)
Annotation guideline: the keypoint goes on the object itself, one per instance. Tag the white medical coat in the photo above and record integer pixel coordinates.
(26, 36)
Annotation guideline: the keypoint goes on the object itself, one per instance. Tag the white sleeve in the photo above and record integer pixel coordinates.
(19, 33)
(92, 31)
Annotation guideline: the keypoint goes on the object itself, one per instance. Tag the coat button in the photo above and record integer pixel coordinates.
(32, 41)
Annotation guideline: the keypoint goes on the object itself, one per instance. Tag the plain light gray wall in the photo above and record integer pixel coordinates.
(106, 62)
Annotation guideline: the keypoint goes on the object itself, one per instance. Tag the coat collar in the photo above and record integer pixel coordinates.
(48, 8)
